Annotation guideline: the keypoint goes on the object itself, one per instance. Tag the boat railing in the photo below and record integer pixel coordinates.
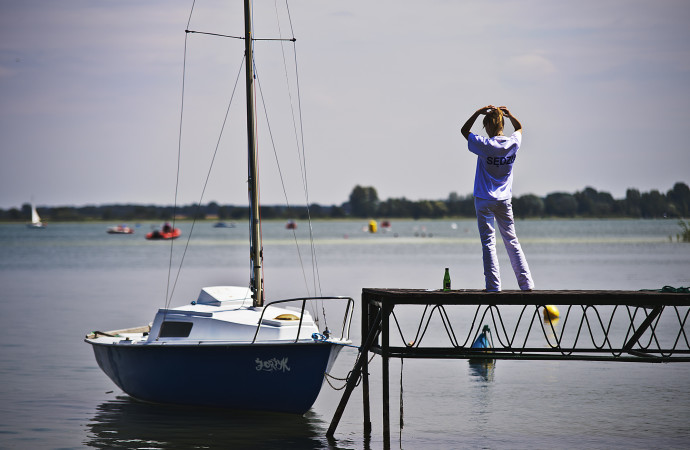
(347, 316)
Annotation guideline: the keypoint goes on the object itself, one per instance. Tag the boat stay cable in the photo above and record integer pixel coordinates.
(287, 201)
(299, 137)
(168, 293)
(303, 159)
(280, 175)
(171, 289)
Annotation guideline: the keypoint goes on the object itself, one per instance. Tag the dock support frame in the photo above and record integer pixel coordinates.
(379, 304)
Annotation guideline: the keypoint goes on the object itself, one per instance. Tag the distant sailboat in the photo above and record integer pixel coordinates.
(35, 218)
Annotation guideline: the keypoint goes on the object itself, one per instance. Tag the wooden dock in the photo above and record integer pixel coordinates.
(655, 331)
(538, 297)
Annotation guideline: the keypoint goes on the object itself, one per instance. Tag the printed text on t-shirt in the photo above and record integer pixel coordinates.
(500, 161)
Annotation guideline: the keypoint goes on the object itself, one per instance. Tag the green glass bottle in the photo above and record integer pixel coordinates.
(446, 280)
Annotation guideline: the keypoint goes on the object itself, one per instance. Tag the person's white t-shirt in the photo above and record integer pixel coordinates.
(493, 179)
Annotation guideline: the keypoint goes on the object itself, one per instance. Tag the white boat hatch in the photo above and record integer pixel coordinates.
(213, 295)
(183, 313)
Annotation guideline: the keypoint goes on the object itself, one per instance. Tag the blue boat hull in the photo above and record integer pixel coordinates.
(269, 377)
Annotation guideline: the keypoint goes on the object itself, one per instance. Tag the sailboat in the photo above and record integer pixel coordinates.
(229, 348)
(35, 218)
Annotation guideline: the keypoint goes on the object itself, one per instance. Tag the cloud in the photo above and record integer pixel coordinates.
(385, 87)
(531, 67)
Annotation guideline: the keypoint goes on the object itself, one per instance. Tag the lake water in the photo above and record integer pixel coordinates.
(59, 283)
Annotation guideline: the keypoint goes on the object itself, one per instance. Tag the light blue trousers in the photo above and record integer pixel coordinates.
(502, 211)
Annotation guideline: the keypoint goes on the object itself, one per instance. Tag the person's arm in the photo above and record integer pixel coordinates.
(465, 130)
(513, 120)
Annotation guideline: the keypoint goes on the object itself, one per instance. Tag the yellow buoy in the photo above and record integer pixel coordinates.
(373, 226)
(551, 312)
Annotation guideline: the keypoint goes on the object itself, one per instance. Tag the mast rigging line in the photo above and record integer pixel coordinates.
(299, 136)
(168, 291)
(171, 290)
(168, 294)
(280, 172)
(303, 160)
(238, 37)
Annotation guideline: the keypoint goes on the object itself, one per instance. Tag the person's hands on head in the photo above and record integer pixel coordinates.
(483, 111)
(513, 120)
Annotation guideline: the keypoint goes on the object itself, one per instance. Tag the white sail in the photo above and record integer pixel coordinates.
(35, 218)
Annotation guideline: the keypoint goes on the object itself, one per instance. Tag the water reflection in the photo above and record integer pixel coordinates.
(127, 423)
(551, 331)
(482, 369)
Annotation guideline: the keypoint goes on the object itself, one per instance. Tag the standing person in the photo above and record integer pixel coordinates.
(493, 191)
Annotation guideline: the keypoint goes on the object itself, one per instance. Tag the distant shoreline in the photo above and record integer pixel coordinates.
(364, 203)
(241, 223)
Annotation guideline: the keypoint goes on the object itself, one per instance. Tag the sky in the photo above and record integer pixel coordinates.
(91, 102)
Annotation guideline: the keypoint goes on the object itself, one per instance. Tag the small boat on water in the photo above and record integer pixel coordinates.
(36, 222)
(291, 225)
(120, 229)
(224, 225)
(165, 232)
(229, 347)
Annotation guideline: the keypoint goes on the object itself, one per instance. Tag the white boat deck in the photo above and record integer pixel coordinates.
(220, 315)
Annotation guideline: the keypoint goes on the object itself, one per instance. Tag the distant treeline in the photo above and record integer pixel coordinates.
(364, 203)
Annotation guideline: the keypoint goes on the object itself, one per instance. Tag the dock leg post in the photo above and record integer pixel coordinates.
(354, 375)
(366, 317)
(385, 375)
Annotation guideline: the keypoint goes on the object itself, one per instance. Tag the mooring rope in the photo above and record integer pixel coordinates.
(402, 409)
(347, 378)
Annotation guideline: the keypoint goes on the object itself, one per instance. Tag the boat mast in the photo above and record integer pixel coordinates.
(256, 250)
